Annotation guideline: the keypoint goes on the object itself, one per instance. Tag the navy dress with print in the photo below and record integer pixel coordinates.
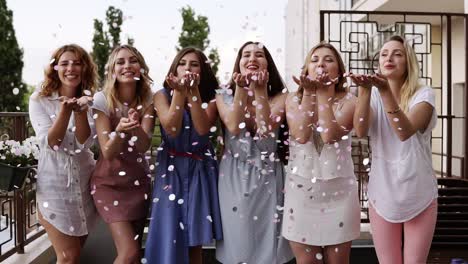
(185, 208)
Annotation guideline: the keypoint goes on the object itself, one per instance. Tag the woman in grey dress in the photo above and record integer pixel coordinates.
(251, 172)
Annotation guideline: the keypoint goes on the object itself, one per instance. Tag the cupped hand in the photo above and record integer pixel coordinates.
(260, 79)
(362, 80)
(176, 83)
(126, 125)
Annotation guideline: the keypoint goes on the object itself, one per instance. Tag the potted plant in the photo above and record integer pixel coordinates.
(17, 159)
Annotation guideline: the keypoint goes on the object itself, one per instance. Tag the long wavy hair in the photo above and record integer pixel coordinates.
(275, 82)
(143, 85)
(89, 76)
(275, 86)
(411, 83)
(339, 87)
(208, 82)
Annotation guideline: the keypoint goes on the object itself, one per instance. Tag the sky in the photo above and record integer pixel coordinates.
(43, 26)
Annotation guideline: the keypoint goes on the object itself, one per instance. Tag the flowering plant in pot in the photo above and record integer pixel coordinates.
(17, 159)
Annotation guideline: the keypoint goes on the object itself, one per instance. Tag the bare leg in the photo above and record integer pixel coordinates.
(128, 249)
(306, 254)
(67, 248)
(338, 254)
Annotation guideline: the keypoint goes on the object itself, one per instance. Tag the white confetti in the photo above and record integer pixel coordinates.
(170, 168)
(15, 91)
(208, 217)
(116, 203)
(180, 201)
(242, 125)
(45, 204)
(319, 256)
(122, 173)
(365, 161)
(204, 106)
(172, 197)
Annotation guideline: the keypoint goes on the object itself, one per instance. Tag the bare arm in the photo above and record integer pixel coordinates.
(144, 132)
(170, 115)
(404, 124)
(363, 112)
(233, 115)
(302, 115)
(203, 119)
(333, 127)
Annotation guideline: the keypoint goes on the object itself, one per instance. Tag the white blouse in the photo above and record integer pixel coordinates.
(402, 182)
(63, 192)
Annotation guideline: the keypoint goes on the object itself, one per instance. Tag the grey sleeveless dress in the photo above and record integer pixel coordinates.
(251, 199)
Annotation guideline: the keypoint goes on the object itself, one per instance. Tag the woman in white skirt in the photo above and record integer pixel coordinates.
(321, 211)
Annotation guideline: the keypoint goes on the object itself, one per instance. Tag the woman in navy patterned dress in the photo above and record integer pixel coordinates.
(185, 209)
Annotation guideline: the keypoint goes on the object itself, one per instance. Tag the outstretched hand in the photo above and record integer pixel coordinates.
(128, 124)
(366, 81)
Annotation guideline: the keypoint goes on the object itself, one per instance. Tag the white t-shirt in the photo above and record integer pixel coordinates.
(402, 182)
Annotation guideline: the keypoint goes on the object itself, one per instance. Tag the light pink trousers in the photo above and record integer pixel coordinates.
(418, 233)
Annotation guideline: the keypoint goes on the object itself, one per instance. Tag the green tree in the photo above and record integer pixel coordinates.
(105, 40)
(11, 64)
(195, 31)
(114, 22)
(101, 47)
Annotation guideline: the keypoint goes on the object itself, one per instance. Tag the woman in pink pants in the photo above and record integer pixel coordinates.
(399, 114)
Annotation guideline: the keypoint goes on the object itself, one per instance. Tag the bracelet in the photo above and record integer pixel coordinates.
(394, 111)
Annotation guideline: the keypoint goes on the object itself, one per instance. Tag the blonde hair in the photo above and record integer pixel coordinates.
(341, 67)
(143, 86)
(411, 84)
(89, 76)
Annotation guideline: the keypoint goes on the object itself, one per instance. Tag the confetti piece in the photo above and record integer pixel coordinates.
(172, 197)
(319, 256)
(45, 204)
(208, 217)
(122, 173)
(365, 161)
(242, 125)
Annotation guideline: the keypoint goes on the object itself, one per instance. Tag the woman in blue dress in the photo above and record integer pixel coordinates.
(185, 209)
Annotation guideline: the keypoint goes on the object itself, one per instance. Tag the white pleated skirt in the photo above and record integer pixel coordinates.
(321, 212)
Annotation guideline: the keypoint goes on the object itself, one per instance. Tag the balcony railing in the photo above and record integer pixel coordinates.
(18, 215)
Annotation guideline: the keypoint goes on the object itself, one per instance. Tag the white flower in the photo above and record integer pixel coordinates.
(17, 153)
